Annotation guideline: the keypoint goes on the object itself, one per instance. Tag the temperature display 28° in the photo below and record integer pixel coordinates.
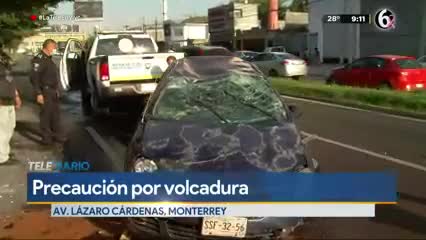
(332, 19)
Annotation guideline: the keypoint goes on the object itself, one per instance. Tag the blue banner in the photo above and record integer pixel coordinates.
(212, 187)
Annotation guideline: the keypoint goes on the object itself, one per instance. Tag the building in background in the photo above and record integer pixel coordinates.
(156, 31)
(190, 31)
(186, 33)
(345, 42)
(34, 43)
(224, 21)
(291, 34)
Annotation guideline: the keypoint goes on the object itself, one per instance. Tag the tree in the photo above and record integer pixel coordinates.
(299, 6)
(15, 21)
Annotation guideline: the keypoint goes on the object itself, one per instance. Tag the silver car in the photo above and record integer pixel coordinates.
(281, 64)
(275, 49)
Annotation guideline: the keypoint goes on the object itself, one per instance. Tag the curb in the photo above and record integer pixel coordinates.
(373, 108)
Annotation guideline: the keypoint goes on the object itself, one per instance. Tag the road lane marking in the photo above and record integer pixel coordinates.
(365, 151)
(354, 109)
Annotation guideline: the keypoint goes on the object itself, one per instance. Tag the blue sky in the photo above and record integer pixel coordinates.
(118, 13)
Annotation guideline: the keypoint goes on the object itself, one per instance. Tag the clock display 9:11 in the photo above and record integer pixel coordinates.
(362, 18)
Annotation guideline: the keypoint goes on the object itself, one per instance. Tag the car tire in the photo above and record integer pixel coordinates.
(385, 86)
(273, 73)
(98, 111)
(330, 81)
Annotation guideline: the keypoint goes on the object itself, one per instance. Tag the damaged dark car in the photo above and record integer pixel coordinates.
(216, 113)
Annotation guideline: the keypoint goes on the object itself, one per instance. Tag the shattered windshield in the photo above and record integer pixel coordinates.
(228, 96)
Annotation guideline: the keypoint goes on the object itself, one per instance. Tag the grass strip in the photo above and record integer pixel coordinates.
(409, 102)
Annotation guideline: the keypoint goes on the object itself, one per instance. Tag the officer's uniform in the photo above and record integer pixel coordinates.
(7, 110)
(45, 80)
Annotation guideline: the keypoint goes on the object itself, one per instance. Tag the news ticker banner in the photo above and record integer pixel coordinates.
(206, 193)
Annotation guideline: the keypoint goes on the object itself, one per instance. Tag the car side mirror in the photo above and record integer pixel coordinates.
(92, 61)
(295, 111)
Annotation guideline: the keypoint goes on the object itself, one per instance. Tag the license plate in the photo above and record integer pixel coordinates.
(148, 87)
(224, 226)
(419, 85)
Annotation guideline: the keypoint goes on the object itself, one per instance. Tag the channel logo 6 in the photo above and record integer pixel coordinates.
(385, 19)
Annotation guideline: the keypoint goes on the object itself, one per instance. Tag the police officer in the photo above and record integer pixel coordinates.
(45, 80)
(9, 99)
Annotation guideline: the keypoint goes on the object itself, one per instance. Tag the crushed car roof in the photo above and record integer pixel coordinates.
(200, 68)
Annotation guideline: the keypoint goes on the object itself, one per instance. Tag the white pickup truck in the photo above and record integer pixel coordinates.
(114, 67)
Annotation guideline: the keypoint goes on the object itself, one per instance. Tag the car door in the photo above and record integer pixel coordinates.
(373, 73)
(271, 64)
(71, 67)
(354, 72)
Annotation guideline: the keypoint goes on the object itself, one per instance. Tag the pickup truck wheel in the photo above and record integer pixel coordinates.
(97, 111)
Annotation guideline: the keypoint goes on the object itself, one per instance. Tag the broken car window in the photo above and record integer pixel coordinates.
(232, 98)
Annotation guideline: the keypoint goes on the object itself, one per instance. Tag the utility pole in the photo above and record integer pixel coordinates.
(165, 18)
(164, 10)
(143, 24)
(156, 30)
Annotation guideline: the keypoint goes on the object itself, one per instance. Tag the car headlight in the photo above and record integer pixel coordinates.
(145, 165)
(311, 167)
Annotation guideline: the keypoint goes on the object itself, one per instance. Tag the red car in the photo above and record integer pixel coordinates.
(382, 71)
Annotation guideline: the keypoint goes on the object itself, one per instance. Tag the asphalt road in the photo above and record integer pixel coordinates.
(341, 139)
(359, 141)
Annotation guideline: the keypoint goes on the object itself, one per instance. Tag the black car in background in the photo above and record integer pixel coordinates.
(191, 51)
(215, 113)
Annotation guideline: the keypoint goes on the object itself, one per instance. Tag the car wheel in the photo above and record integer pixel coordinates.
(330, 80)
(98, 111)
(385, 86)
(273, 73)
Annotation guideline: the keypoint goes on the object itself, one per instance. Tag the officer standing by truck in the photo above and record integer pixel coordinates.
(9, 99)
(45, 80)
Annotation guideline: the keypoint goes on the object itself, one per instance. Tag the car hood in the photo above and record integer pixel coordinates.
(197, 146)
